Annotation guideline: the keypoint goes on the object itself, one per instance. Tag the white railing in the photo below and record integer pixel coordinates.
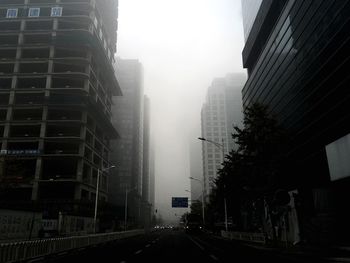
(245, 236)
(19, 251)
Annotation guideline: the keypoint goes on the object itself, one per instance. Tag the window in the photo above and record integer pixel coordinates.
(12, 13)
(34, 12)
(56, 11)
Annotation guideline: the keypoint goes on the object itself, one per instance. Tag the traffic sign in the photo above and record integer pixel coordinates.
(179, 202)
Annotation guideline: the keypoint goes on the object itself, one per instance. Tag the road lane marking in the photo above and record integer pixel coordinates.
(196, 243)
(138, 252)
(213, 257)
(148, 245)
(36, 260)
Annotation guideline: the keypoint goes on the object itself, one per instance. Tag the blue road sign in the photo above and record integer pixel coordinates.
(179, 202)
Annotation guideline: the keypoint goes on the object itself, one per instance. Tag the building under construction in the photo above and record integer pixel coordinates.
(56, 85)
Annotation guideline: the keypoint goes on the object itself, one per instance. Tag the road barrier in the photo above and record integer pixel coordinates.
(245, 236)
(25, 250)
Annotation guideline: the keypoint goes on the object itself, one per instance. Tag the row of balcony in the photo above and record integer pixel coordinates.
(34, 32)
(42, 67)
(42, 53)
(38, 99)
(44, 25)
(52, 169)
(61, 149)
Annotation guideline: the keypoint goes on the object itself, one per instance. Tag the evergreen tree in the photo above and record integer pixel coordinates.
(251, 171)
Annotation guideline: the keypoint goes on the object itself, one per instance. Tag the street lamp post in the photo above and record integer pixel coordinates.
(202, 198)
(222, 147)
(97, 191)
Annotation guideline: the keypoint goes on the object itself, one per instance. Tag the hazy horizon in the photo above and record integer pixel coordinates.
(183, 45)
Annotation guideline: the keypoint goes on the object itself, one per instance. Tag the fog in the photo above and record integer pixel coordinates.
(183, 45)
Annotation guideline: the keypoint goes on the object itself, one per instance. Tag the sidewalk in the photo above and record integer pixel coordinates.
(334, 253)
(304, 251)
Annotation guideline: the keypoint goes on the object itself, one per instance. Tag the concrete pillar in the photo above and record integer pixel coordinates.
(35, 190)
(77, 192)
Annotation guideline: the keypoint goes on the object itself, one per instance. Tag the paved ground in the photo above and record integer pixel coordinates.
(177, 246)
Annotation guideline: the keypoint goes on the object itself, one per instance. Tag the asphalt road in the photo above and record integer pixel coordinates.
(177, 246)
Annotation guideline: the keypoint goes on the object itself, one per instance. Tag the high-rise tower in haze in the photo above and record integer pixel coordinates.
(56, 83)
(146, 171)
(222, 110)
(127, 152)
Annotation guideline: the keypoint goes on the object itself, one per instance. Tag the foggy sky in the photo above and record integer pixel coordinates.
(183, 45)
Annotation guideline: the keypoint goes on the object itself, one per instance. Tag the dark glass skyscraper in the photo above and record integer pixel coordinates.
(297, 55)
(127, 152)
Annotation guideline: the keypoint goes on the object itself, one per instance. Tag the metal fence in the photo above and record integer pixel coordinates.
(25, 250)
(245, 236)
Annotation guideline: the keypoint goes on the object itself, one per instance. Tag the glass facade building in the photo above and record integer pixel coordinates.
(127, 151)
(297, 56)
(250, 9)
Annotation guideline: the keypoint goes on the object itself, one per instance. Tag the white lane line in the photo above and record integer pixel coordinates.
(196, 243)
(36, 260)
(148, 245)
(138, 252)
(213, 257)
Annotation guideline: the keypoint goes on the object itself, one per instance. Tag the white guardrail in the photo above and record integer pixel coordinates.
(25, 250)
(245, 236)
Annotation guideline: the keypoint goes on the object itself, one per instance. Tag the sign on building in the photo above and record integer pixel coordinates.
(179, 202)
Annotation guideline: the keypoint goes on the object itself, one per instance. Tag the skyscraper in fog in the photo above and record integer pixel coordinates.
(152, 175)
(222, 110)
(127, 152)
(146, 171)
